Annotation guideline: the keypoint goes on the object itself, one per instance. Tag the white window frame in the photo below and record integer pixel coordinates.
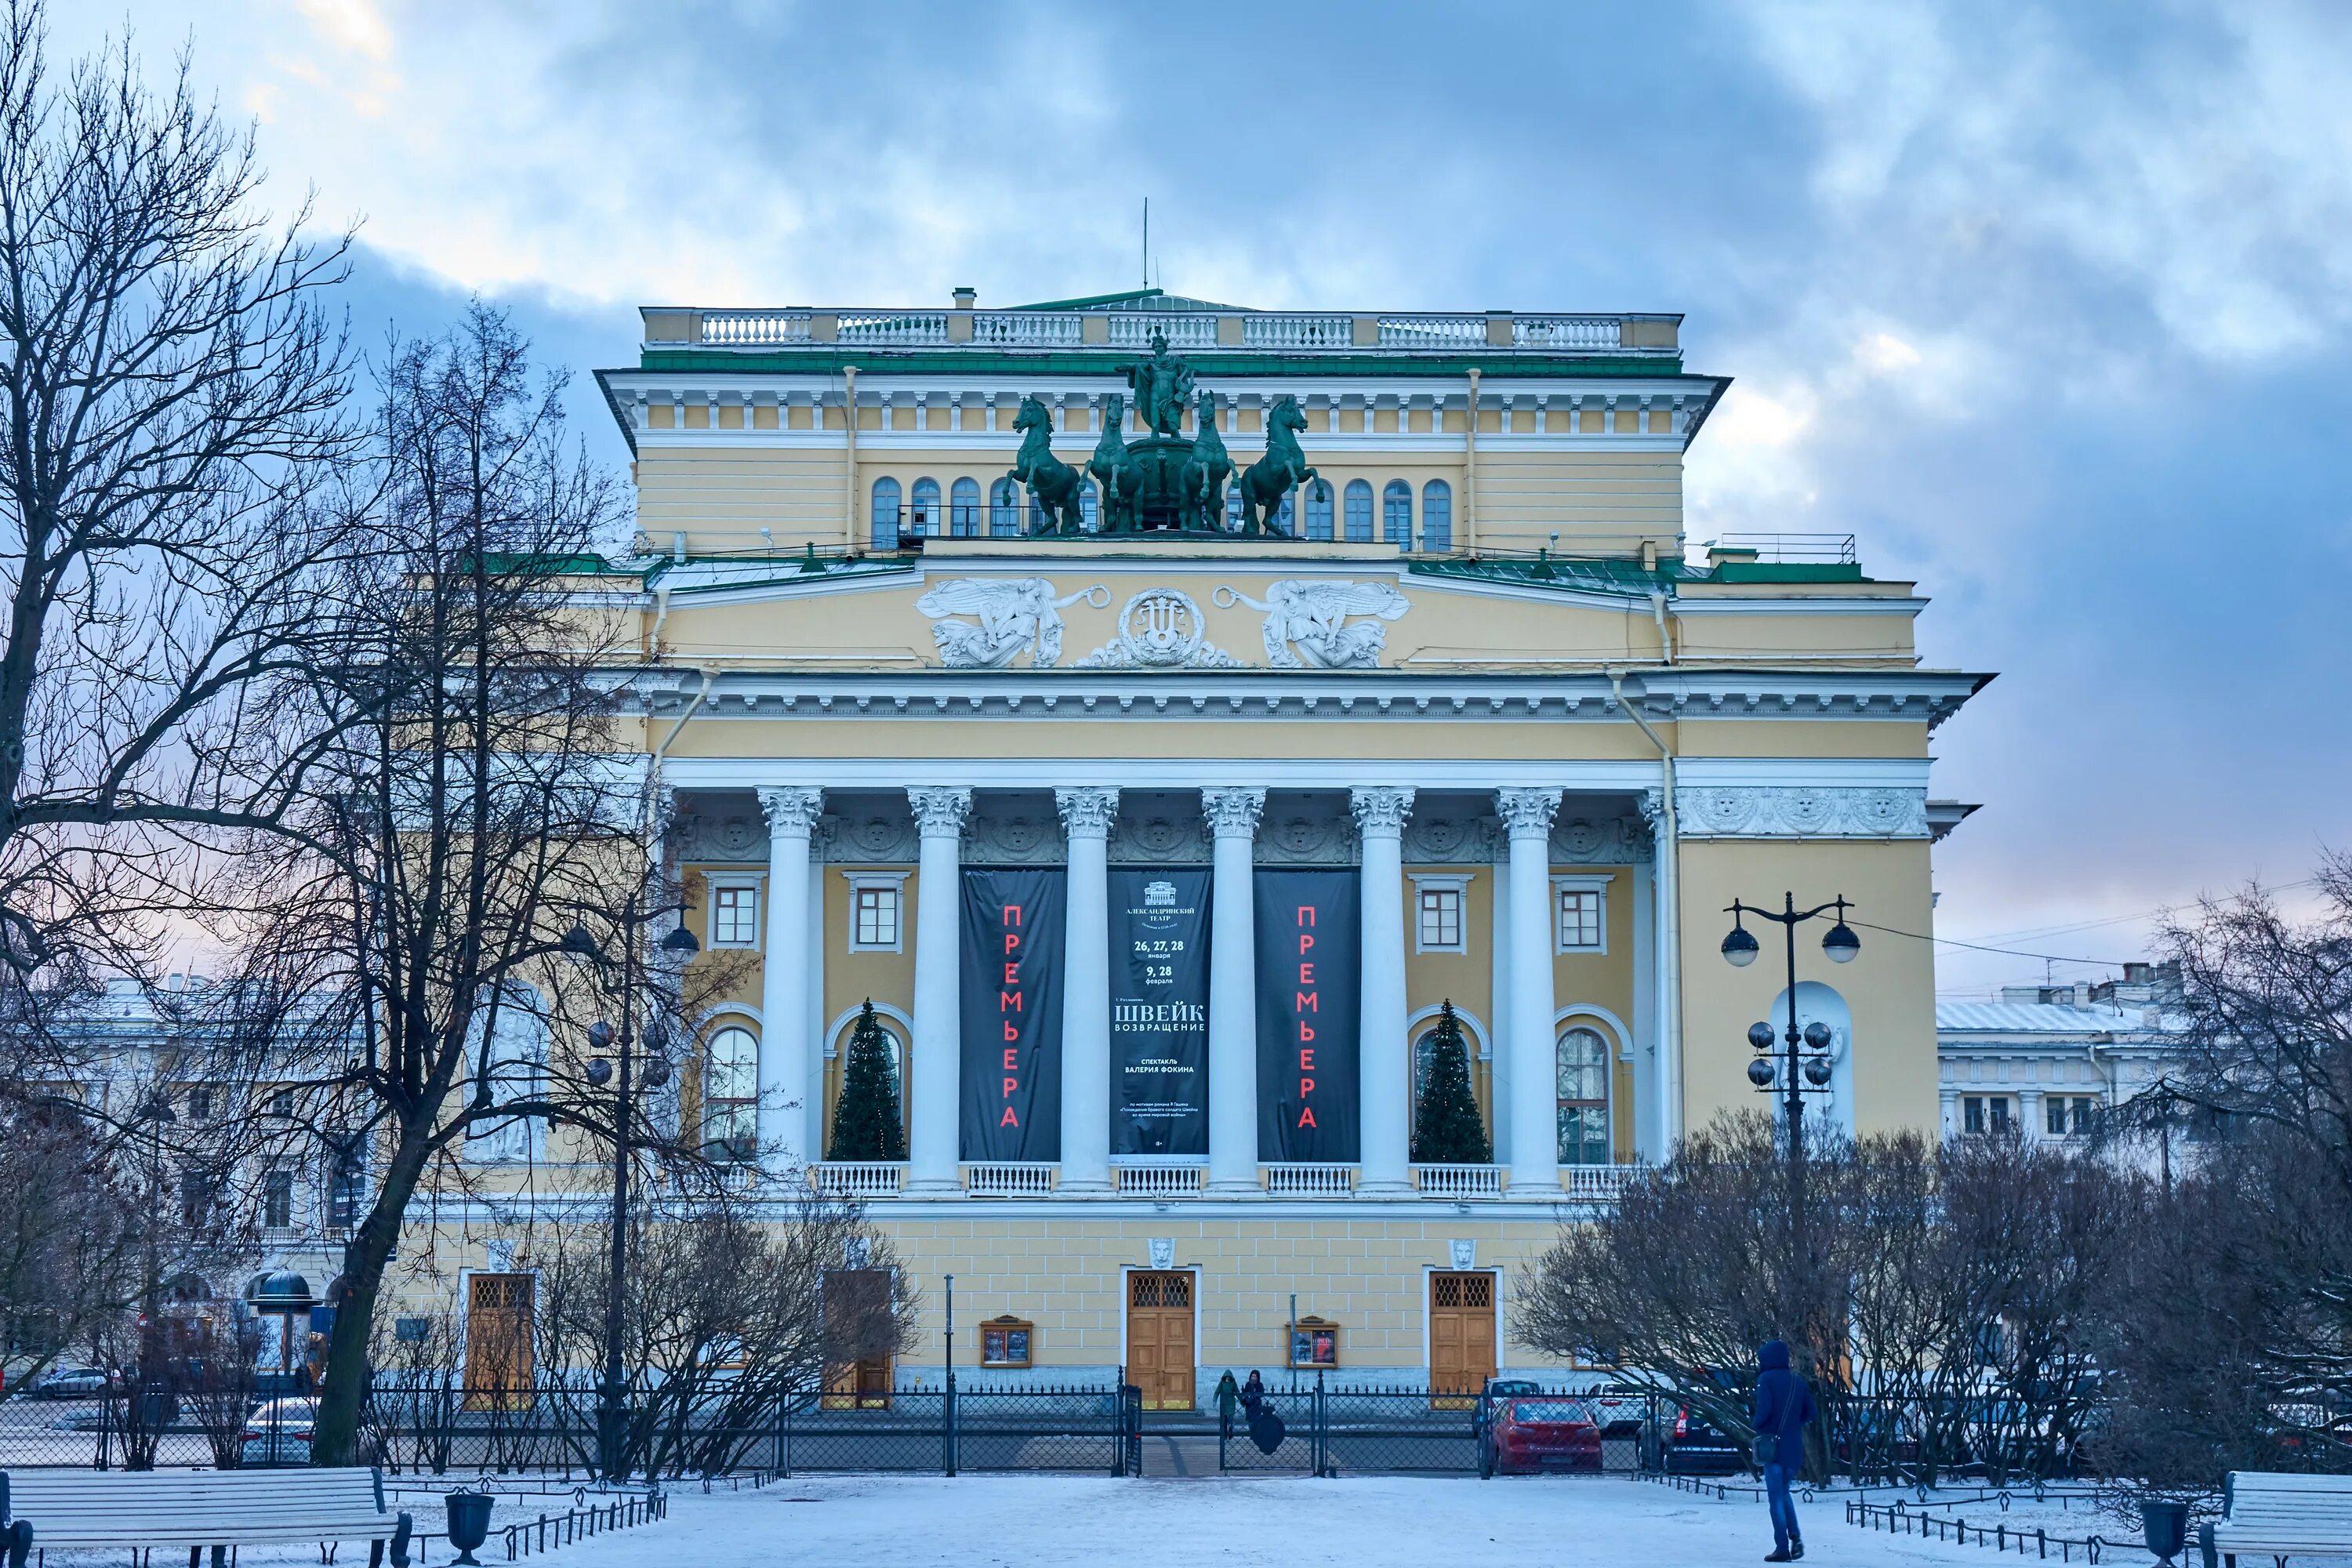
(1581, 882)
(1456, 883)
(859, 881)
(736, 881)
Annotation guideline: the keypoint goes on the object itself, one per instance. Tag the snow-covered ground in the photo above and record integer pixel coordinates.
(1046, 1521)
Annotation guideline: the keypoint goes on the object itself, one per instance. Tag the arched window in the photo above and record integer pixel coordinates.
(731, 1094)
(885, 514)
(1437, 515)
(964, 509)
(1282, 513)
(1038, 522)
(1004, 510)
(1319, 510)
(1583, 1098)
(1089, 507)
(1396, 514)
(1360, 512)
(926, 518)
(1233, 507)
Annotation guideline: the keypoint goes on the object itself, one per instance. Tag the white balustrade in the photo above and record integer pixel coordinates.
(1161, 1181)
(1009, 1179)
(1564, 332)
(752, 329)
(1188, 329)
(1597, 1183)
(1027, 329)
(1433, 332)
(1286, 330)
(1458, 1181)
(1310, 1180)
(893, 327)
(857, 1178)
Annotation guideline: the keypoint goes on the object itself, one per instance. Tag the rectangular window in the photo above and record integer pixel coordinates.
(2081, 1111)
(877, 918)
(200, 1105)
(1972, 1114)
(1440, 920)
(734, 917)
(1580, 919)
(1997, 1113)
(277, 1199)
(346, 1189)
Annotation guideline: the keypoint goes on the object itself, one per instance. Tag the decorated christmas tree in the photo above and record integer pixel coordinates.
(1446, 1128)
(867, 1124)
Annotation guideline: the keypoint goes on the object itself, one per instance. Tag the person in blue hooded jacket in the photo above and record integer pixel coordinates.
(1784, 1404)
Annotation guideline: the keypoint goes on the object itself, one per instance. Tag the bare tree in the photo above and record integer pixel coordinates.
(171, 428)
(727, 1319)
(466, 884)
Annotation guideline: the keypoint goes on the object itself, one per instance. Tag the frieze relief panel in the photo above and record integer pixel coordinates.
(1776, 811)
(1156, 836)
(1161, 628)
(1308, 834)
(1016, 836)
(996, 623)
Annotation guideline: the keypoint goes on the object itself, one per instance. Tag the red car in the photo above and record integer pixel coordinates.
(1549, 1434)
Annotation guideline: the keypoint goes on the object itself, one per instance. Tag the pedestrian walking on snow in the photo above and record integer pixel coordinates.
(1784, 1404)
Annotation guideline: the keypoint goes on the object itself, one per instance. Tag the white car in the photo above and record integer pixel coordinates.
(278, 1433)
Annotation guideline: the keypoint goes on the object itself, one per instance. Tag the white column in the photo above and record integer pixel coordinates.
(938, 1042)
(2029, 1112)
(1233, 989)
(1498, 1018)
(1385, 1084)
(1647, 1142)
(784, 1118)
(1528, 1032)
(1085, 991)
(1669, 966)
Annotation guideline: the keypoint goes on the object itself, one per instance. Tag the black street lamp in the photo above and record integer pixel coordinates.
(612, 1392)
(1805, 1066)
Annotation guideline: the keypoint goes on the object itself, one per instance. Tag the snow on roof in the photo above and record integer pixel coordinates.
(2043, 1018)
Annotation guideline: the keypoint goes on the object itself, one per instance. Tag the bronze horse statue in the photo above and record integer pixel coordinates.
(1053, 482)
(1115, 469)
(1281, 470)
(1202, 483)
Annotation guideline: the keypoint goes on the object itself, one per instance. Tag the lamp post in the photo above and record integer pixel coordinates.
(1799, 1074)
(612, 1392)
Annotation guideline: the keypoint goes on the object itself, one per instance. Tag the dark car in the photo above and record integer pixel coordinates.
(1547, 1433)
(1681, 1441)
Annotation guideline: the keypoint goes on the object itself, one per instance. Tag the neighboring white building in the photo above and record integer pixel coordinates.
(2048, 1060)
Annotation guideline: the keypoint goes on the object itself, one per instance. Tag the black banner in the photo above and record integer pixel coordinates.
(1310, 962)
(1159, 1012)
(1012, 1015)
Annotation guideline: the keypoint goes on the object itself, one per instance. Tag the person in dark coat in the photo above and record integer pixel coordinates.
(1253, 1393)
(1784, 1404)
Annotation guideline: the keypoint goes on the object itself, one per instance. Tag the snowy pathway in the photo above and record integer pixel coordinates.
(1050, 1521)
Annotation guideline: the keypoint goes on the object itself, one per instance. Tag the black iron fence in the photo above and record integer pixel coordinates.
(1326, 1429)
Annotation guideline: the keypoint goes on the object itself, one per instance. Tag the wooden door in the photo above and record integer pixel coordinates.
(1461, 1333)
(499, 1351)
(860, 1373)
(1160, 1338)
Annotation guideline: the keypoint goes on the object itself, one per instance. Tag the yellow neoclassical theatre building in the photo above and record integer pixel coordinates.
(1160, 710)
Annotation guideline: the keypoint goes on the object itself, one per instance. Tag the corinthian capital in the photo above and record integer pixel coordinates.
(790, 809)
(939, 813)
(1233, 813)
(1381, 809)
(1086, 810)
(1527, 813)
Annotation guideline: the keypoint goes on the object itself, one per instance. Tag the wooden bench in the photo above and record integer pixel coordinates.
(139, 1510)
(2269, 1514)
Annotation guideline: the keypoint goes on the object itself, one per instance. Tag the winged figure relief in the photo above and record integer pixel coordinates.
(1306, 621)
(1011, 615)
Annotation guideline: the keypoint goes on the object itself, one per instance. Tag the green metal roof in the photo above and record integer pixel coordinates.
(1572, 575)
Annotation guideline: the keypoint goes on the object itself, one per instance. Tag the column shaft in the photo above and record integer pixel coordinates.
(784, 1119)
(1528, 1036)
(1385, 1085)
(1085, 991)
(931, 1140)
(1233, 817)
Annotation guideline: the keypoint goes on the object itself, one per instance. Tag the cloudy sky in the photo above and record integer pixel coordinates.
(2049, 306)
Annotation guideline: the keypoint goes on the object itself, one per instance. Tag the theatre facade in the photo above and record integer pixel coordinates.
(1161, 713)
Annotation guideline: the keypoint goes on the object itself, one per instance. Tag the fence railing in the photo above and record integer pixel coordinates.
(1310, 1180)
(1005, 1179)
(1287, 331)
(1162, 1180)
